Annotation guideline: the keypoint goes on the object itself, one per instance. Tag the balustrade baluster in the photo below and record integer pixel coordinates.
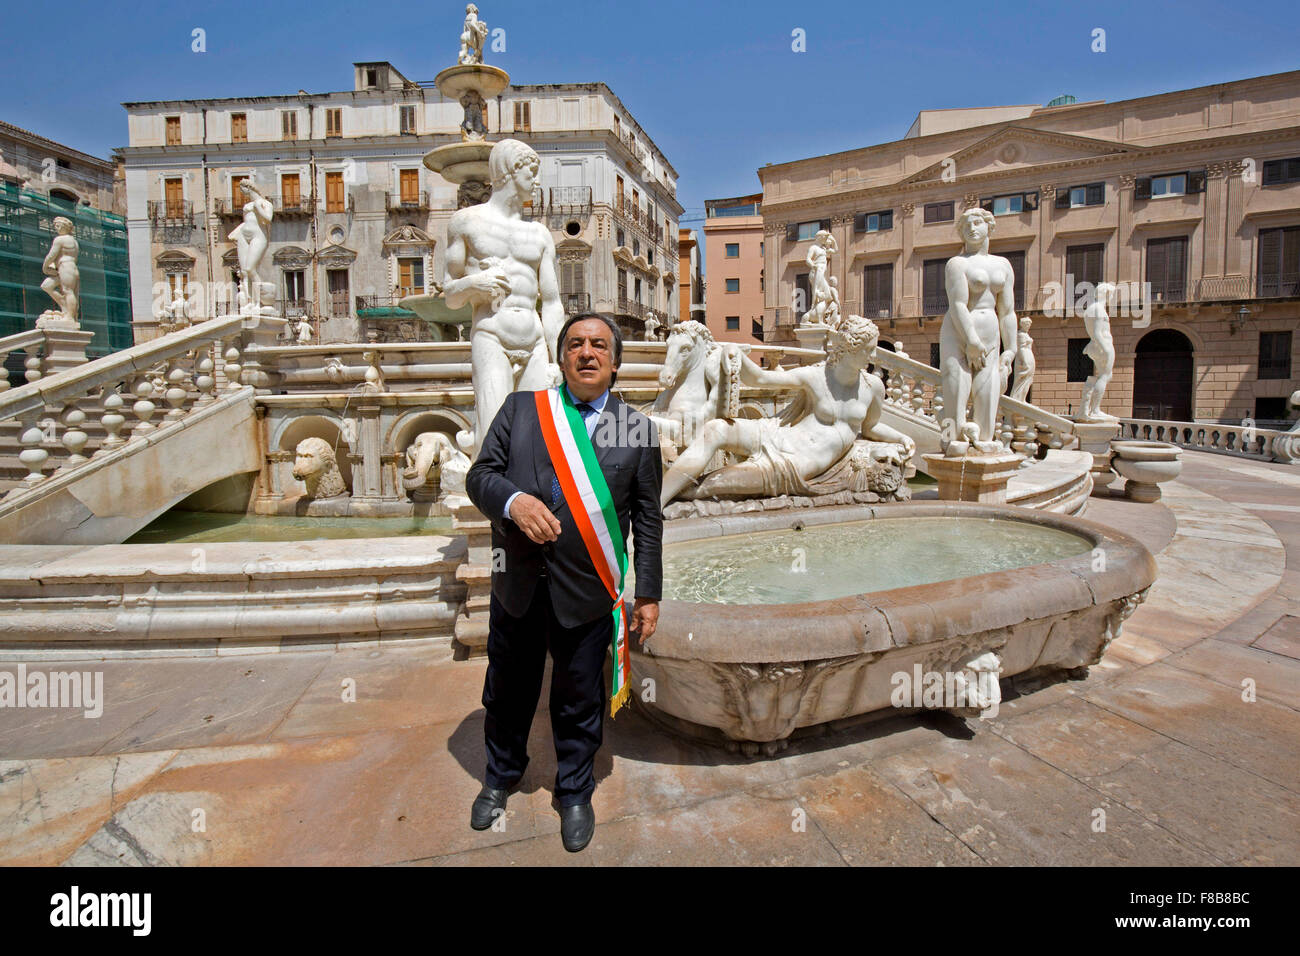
(176, 393)
(33, 366)
(204, 380)
(143, 408)
(74, 439)
(112, 420)
(33, 456)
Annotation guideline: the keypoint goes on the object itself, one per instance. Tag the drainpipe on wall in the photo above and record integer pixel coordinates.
(207, 221)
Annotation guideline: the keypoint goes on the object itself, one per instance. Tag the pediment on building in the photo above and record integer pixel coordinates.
(624, 253)
(572, 250)
(408, 237)
(173, 262)
(336, 257)
(1017, 147)
(291, 257)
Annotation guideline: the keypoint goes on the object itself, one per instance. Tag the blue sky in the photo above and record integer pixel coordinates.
(716, 84)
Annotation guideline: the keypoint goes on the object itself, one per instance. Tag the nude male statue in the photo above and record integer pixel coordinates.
(500, 263)
(63, 282)
(837, 401)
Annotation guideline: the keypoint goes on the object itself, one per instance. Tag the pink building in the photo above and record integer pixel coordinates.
(733, 259)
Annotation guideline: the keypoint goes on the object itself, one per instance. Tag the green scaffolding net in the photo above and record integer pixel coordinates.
(26, 230)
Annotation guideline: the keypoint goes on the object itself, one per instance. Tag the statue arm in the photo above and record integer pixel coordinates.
(1007, 321)
(548, 288)
(875, 430)
(753, 374)
(455, 285)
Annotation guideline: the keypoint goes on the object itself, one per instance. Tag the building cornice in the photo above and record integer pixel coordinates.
(826, 204)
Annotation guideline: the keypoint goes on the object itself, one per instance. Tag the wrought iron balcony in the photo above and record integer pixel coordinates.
(631, 307)
(171, 213)
(571, 200)
(407, 202)
(293, 206)
(934, 303)
(576, 303)
(348, 206)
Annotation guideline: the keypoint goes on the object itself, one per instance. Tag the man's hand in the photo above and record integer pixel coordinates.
(645, 618)
(535, 519)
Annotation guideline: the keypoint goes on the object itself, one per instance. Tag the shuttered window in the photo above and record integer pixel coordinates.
(934, 354)
(290, 191)
(409, 180)
(334, 122)
(174, 191)
(1279, 171)
(939, 212)
(237, 197)
(934, 294)
(573, 278)
(874, 221)
(239, 127)
(802, 294)
(334, 197)
(1084, 263)
(407, 119)
(1167, 269)
(523, 116)
(1017, 260)
(1092, 194)
(1279, 261)
(173, 124)
(1275, 354)
(289, 124)
(878, 291)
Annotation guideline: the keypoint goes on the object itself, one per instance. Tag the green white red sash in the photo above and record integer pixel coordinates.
(592, 506)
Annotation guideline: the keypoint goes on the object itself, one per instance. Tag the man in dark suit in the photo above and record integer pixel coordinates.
(547, 588)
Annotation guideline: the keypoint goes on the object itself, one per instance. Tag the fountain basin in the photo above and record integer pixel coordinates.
(751, 675)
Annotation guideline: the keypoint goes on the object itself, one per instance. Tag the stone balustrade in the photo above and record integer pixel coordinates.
(138, 390)
(1245, 440)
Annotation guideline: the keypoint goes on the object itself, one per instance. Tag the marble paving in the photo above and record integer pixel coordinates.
(1181, 747)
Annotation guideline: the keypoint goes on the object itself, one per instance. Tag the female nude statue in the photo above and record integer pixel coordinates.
(825, 299)
(836, 403)
(251, 238)
(981, 316)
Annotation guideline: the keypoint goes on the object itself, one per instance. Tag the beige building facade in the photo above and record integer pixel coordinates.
(360, 222)
(1188, 201)
(733, 265)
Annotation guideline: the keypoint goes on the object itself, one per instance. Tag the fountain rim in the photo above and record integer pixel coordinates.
(879, 621)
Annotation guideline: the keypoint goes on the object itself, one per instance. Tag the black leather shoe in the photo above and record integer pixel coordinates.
(577, 824)
(486, 804)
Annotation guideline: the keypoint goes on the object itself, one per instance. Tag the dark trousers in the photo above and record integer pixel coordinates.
(516, 662)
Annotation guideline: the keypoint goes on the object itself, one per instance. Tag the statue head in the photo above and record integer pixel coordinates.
(1105, 294)
(854, 336)
(508, 161)
(975, 225)
(825, 240)
(62, 225)
(471, 9)
(1026, 323)
(312, 456)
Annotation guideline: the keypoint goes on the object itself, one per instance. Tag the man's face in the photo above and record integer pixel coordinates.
(588, 356)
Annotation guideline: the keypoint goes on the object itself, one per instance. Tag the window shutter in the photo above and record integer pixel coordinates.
(1196, 181)
(1096, 194)
(860, 222)
(791, 232)
(1176, 266)
(1063, 198)
(987, 203)
(1031, 201)
(1272, 172)
(1142, 187)
(1156, 259)
(1092, 264)
(887, 219)
(824, 225)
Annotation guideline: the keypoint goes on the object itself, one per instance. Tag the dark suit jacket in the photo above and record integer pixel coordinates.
(514, 458)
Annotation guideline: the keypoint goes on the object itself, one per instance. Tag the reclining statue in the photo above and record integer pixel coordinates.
(811, 448)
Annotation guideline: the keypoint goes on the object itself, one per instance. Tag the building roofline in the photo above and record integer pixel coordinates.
(18, 131)
(1078, 107)
(739, 200)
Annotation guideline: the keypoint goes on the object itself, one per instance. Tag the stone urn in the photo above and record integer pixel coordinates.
(1146, 464)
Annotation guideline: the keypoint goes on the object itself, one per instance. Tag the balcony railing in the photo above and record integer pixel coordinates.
(934, 304)
(171, 213)
(576, 302)
(406, 202)
(385, 301)
(631, 307)
(1279, 285)
(290, 206)
(570, 199)
(1167, 293)
(878, 309)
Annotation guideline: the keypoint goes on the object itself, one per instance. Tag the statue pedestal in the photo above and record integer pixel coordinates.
(978, 478)
(812, 336)
(65, 343)
(1095, 438)
(472, 626)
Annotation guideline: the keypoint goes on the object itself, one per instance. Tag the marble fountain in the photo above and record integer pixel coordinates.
(768, 451)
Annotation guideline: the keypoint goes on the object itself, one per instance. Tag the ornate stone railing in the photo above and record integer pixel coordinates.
(1245, 441)
(32, 342)
(914, 388)
(175, 374)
